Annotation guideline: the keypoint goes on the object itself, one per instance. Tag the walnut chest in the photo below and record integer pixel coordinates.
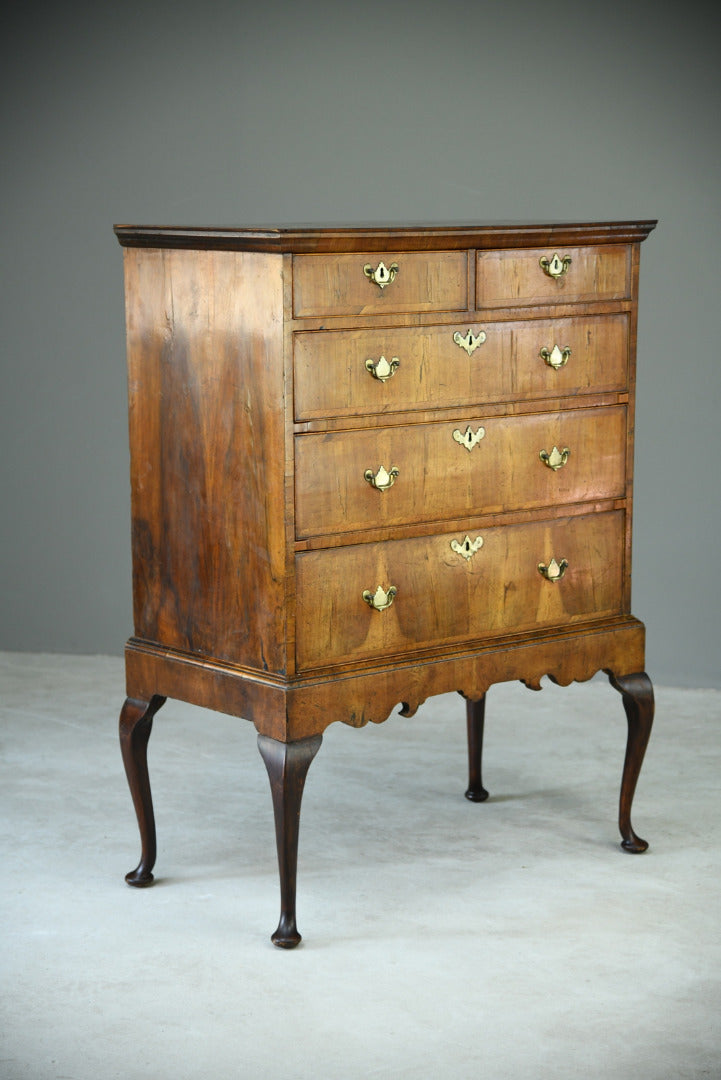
(370, 465)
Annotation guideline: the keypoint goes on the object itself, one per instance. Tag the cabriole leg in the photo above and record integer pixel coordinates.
(637, 693)
(136, 722)
(475, 716)
(287, 765)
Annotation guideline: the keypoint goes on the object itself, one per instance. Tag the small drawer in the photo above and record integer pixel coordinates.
(438, 590)
(404, 281)
(510, 278)
(429, 368)
(432, 472)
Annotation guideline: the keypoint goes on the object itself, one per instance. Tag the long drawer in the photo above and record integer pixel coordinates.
(442, 591)
(432, 472)
(356, 372)
(507, 278)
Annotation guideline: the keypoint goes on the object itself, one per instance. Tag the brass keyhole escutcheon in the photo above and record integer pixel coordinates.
(382, 275)
(469, 438)
(556, 459)
(469, 341)
(381, 369)
(467, 548)
(556, 266)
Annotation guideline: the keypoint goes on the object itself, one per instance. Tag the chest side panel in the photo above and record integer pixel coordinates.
(205, 362)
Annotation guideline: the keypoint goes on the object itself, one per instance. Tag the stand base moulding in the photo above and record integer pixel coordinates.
(370, 465)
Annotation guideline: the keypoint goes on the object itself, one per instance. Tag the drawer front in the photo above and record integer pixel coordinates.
(536, 358)
(338, 284)
(507, 278)
(439, 477)
(442, 597)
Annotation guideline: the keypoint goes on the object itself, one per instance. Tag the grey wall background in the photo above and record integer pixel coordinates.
(239, 113)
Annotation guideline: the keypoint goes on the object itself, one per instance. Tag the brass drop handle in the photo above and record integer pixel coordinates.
(556, 266)
(382, 370)
(554, 571)
(381, 480)
(555, 358)
(469, 341)
(469, 438)
(556, 459)
(380, 600)
(382, 275)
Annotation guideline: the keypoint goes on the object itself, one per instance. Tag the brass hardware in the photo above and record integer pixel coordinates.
(381, 369)
(555, 267)
(381, 480)
(554, 571)
(468, 548)
(556, 459)
(469, 438)
(382, 275)
(556, 358)
(380, 599)
(470, 342)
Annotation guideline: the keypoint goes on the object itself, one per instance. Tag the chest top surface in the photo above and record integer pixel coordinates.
(314, 238)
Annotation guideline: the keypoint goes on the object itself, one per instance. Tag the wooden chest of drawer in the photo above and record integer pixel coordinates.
(373, 465)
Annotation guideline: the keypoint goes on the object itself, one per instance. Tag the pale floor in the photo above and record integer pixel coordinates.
(512, 939)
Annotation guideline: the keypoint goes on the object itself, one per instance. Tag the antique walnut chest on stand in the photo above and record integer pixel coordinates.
(370, 465)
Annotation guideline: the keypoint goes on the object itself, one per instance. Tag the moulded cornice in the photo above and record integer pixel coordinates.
(312, 239)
